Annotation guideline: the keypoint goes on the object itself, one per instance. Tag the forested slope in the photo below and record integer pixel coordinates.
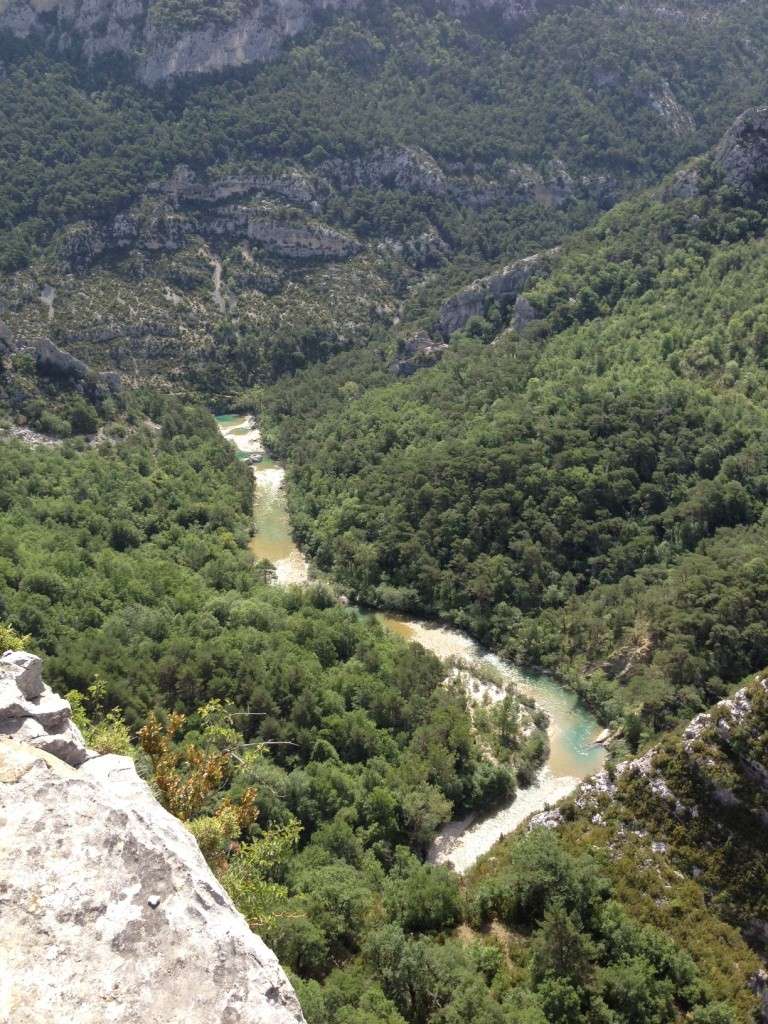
(313, 756)
(574, 492)
(580, 481)
(394, 154)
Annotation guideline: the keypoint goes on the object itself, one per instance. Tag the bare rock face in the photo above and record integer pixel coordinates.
(258, 32)
(184, 186)
(742, 155)
(509, 11)
(109, 911)
(162, 50)
(400, 167)
(6, 339)
(503, 288)
(299, 241)
(161, 223)
(53, 361)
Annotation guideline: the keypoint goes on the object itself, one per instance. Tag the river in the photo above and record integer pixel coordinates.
(572, 731)
(272, 538)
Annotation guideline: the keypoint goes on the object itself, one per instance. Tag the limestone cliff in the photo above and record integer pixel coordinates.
(503, 287)
(206, 38)
(109, 910)
(742, 155)
(740, 159)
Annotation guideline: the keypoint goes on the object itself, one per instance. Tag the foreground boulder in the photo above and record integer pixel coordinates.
(109, 910)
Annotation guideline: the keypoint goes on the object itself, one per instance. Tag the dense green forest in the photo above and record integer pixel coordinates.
(332, 752)
(127, 561)
(585, 492)
(573, 493)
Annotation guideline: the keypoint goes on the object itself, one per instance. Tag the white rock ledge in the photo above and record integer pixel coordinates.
(109, 913)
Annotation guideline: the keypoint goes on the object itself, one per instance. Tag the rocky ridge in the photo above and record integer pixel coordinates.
(698, 806)
(742, 154)
(503, 288)
(157, 225)
(740, 158)
(699, 741)
(145, 289)
(416, 353)
(280, 211)
(109, 910)
(164, 44)
(52, 361)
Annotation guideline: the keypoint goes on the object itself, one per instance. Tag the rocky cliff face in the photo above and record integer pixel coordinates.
(741, 158)
(167, 223)
(109, 911)
(210, 42)
(742, 155)
(503, 288)
(162, 50)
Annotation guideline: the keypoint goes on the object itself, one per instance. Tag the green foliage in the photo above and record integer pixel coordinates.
(591, 499)
(103, 731)
(264, 712)
(372, 754)
(10, 640)
(584, 85)
(247, 877)
(538, 874)
(587, 494)
(421, 898)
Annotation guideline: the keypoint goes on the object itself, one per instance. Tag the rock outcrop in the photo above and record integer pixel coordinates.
(401, 167)
(184, 186)
(166, 47)
(502, 288)
(742, 154)
(510, 12)
(53, 361)
(6, 339)
(741, 157)
(162, 224)
(700, 740)
(416, 353)
(166, 43)
(278, 237)
(31, 713)
(109, 910)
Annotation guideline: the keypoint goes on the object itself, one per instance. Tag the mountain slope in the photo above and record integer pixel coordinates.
(557, 491)
(680, 833)
(358, 179)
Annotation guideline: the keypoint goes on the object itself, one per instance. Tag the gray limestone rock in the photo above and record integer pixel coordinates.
(55, 362)
(503, 287)
(163, 50)
(26, 670)
(32, 713)
(415, 353)
(109, 911)
(6, 338)
(742, 155)
(525, 313)
(400, 167)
